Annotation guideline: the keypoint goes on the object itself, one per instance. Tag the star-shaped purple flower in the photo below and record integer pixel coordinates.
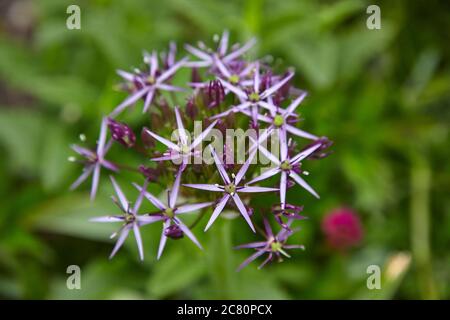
(275, 246)
(286, 166)
(147, 83)
(130, 219)
(184, 149)
(230, 189)
(169, 214)
(94, 160)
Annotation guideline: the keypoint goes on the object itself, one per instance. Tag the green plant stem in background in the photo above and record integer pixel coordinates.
(420, 226)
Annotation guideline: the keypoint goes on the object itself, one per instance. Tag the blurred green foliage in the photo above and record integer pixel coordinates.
(382, 95)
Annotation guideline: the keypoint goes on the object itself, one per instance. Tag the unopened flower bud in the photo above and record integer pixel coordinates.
(121, 133)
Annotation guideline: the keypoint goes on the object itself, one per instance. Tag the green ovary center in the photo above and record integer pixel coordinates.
(231, 188)
(150, 80)
(234, 78)
(285, 165)
(253, 97)
(275, 246)
(169, 212)
(129, 218)
(278, 120)
(184, 149)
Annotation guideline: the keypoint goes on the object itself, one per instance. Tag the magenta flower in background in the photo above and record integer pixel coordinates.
(342, 228)
(230, 189)
(169, 213)
(275, 245)
(94, 161)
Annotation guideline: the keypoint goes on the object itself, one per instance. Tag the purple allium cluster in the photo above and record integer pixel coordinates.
(225, 92)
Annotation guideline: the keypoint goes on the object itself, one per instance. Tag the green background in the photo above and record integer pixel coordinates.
(382, 95)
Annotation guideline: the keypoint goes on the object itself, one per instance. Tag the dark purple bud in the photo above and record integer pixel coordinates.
(191, 108)
(151, 174)
(195, 75)
(121, 133)
(173, 232)
(266, 81)
(216, 93)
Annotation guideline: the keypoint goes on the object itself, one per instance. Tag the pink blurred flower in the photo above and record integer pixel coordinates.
(342, 228)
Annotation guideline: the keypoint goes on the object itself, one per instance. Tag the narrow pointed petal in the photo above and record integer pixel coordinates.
(164, 141)
(102, 138)
(188, 232)
(123, 200)
(181, 130)
(283, 186)
(154, 200)
(167, 158)
(198, 64)
(169, 87)
(109, 165)
(302, 155)
(217, 211)
(223, 45)
(240, 51)
(123, 235)
(107, 219)
(146, 219)
(175, 188)
(237, 91)
(265, 175)
(251, 114)
(192, 207)
(219, 165)
(241, 173)
(250, 259)
(198, 53)
(138, 202)
(153, 64)
(171, 71)
(203, 135)
(268, 92)
(300, 133)
(219, 64)
(95, 179)
(223, 114)
(137, 235)
(283, 144)
(303, 183)
(269, 258)
(243, 210)
(294, 246)
(251, 189)
(125, 75)
(294, 104)
(269, 106)
(256, 81)
(269, 155)
(129, 101)
(251, 245)
(162, 242)
(148, 100)
(83, 151)
(86, 172)
(202, 186)
(267, 228)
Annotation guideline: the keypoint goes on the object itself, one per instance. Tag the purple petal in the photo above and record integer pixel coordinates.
(283, 144)
(268, 228)
(123, 200)
(289, 110)
(107, 219)
(181, 130)
(244, 168)
(168, 87)
(139, 199)
(243, 210)
(95, 179)
(129, 101)
(164, 141)
(256, 78)
(83, 151)
(148, 100)
(153, 64)
(156, 202)
(109, 165)
(269, 106)
(171, 71)
(303, 183)
(219, 165)
(126, 75)
(149, 219)
(252, 245)
(222, 67)
(236, 90)
(187, 232)
(167, 158)
(175, 188)
(300, 133)
(250, 189)
(269, 155)
(266, 174)
(162, 242)
(283, 185)
(238, 52)
(198, 53)
(207, 187)
(202, 135)
(302, 155)
(86, 172)
(137, 235)
(223, 45)
(192, 207)
(217, 210)
(250, 259)
(268, 92)
(269, 257)
(123, 235)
